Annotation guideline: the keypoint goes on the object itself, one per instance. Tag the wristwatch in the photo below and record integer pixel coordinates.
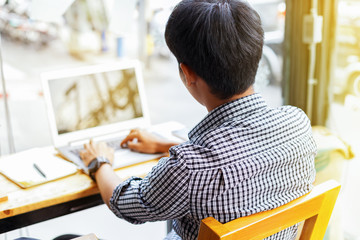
(95, 164)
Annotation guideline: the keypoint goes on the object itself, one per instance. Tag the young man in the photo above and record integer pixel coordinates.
(242, 158)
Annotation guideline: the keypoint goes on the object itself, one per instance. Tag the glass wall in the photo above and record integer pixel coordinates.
(345, 105)
(344, 114)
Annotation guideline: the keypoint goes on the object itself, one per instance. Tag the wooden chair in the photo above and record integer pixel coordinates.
(315, 208)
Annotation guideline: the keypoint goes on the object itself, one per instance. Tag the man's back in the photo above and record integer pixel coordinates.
(245, 158)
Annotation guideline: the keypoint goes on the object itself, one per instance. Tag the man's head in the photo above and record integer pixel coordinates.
(220, 40)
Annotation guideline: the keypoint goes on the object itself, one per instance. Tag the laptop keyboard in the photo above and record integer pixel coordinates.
(122, 156)
(115, 144)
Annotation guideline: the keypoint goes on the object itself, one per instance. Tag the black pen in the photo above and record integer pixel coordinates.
(39, 170)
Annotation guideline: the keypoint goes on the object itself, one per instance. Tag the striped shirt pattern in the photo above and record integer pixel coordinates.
(242, 158)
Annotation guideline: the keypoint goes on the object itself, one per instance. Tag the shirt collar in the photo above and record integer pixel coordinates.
(231, 110)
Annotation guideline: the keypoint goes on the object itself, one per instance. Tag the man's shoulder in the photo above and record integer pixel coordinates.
(290, 109)
(295, 115)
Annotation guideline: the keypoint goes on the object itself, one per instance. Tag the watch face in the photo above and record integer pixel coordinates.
(93, 165)
(96, 163)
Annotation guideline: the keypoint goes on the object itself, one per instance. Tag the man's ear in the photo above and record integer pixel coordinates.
(189, 74)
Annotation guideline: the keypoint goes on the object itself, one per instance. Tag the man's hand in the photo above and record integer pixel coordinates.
(93, 150)
(105, 176)
(145, 142)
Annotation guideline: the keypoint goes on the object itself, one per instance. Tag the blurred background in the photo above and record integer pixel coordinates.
(41, 35)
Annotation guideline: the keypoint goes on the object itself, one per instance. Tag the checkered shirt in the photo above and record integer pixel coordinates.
(242, 158)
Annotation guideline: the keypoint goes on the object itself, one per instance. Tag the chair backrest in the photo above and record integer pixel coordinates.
(315, 208)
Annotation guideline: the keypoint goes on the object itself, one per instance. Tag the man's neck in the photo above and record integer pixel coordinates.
(214, 102)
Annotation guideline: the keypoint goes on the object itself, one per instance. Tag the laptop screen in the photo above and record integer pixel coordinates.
(94, 100)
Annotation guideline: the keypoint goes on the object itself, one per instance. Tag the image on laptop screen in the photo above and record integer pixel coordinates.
(93, 100)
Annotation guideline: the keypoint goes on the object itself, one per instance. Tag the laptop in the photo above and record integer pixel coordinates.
(99, 102)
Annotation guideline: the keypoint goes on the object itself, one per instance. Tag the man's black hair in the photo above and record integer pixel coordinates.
(221, 41)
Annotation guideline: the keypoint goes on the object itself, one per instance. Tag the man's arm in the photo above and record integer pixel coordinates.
(107, 180)
(105, 176)
(161, 195)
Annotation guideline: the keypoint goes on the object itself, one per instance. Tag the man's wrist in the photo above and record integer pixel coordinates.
(95, 165)
(104, 168)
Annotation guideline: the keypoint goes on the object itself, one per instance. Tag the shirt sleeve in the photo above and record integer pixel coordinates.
(161, 195)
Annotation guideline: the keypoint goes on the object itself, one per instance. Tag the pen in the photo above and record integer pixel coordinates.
(39, 170)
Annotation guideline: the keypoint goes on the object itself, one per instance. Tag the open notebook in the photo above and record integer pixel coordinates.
(35, 166)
